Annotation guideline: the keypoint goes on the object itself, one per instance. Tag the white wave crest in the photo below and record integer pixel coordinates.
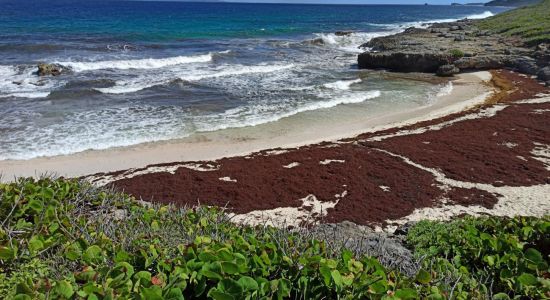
(140, 83)
(342, 84)
(351, 42)
(446, 90)
(239, 70)
(21, 82)
(256, 115)
(485, 14)
(147, 63)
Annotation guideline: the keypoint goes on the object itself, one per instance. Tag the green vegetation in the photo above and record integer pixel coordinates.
(65, 239)
(509, 254)
(457, 53)
(531, 23)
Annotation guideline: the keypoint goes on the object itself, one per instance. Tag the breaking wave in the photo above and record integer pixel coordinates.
(147, 63)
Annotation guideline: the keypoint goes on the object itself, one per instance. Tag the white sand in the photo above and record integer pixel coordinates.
(468, 90)
(309, 211)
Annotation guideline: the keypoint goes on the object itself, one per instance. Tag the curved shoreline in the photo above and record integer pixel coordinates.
(492, 159)
(469, 90)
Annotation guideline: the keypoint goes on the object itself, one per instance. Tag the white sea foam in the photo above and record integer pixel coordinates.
(259, 114)
(235, 70)
(342, 84)
(352, 41)
(147, 63)
(21, 82)
(445, 90)
(144, 82)
(485, 14)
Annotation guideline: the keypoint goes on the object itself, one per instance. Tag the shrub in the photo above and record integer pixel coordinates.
(512, 255)
(456, 53)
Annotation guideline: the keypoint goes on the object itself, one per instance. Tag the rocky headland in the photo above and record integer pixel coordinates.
(450, 48)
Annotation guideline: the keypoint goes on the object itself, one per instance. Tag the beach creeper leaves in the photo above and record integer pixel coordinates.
(423, 277)
(64, 289)
(69, 244)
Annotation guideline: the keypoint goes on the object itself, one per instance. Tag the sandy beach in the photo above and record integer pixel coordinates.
(439, 168)
(468, 90)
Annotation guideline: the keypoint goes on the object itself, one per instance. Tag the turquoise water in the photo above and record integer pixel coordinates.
(148, 71)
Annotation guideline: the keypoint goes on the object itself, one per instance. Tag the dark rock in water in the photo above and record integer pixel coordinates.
(524, 64)
(403, 62)
(447, 70)
(49, 69)
(317, 41)
(343, 33)
(544, 74)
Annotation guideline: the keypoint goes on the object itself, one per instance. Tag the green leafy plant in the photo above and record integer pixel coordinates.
(65, 239)
(510, 254)
(456, 53)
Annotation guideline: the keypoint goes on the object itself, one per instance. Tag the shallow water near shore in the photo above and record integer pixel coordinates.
(146, 71)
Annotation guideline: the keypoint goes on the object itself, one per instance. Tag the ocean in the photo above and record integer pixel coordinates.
(140, 72)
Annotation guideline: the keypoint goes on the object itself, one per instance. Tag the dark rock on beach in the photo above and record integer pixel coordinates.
(544, 74)
(447, 70)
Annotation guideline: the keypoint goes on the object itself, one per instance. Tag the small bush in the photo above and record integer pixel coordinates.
(457, 53)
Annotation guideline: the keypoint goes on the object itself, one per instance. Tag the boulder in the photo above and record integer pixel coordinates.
(460, 38)
(49, 69)
(447, 70)
(402, 61)
(544, 74)
(524, 64)
(317, 42)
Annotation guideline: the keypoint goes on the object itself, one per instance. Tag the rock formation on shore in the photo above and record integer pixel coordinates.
(449, 48)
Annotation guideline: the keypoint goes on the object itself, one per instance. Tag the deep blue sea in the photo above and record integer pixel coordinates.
(142, 71)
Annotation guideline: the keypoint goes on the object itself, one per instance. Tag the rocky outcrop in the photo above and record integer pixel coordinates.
(449, 48)
(447, 70)
(49, 69)
(402, 61)
(481, 62)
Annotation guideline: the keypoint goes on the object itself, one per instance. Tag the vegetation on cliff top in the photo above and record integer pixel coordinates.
(65, 239)
(531, 23)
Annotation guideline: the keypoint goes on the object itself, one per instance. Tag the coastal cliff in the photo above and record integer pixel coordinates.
(465, 45)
